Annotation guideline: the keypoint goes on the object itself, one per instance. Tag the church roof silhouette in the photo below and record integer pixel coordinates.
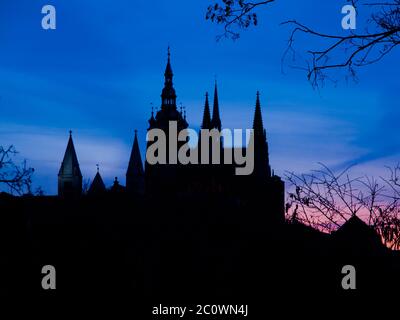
(97, 185)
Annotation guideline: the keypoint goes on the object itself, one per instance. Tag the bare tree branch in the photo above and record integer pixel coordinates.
(18, 178)
(325, 201)
(234, 13)
(349, 52)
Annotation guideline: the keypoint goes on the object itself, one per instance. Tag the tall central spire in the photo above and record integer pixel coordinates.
(168, 70)
(168, 95)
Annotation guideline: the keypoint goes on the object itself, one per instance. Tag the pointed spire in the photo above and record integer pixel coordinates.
(168, 95)
(69, 175)
(97, 186)
(70, 164)
(257, 122)
(135, 163)
(136, 159)
(262, 168)
(135, 172)
(168, 70)
(216, 120)
(206, 124)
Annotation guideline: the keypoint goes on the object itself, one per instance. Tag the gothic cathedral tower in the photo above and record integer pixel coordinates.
(165, 177)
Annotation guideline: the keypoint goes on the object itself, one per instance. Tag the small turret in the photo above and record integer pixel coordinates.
(97, 187)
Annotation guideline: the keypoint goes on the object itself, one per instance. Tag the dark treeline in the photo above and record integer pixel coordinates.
(181, 249)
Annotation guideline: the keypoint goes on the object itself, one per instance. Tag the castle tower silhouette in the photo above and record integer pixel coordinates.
(194, 180)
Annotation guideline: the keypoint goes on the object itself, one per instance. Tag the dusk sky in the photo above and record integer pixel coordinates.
(99, 71)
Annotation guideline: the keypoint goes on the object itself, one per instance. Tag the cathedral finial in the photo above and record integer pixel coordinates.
(98, 169)
(70, 133)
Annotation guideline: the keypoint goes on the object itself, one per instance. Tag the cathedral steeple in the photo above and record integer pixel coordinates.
(135, 172)
(216, 120)
(206, 124)
(69, 175)
(262, 168)
(158, 177)
(258, 123)
(168, 95)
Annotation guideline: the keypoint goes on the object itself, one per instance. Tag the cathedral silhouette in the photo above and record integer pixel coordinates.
(176, 233)
(186, 181)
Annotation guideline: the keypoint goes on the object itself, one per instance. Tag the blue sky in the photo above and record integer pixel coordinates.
(98, 73)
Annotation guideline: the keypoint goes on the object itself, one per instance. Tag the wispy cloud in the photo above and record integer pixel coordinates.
(44, 148)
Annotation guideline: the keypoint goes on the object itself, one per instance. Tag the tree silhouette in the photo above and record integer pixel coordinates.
(325, 200)
(18, 178)
(349, 51)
